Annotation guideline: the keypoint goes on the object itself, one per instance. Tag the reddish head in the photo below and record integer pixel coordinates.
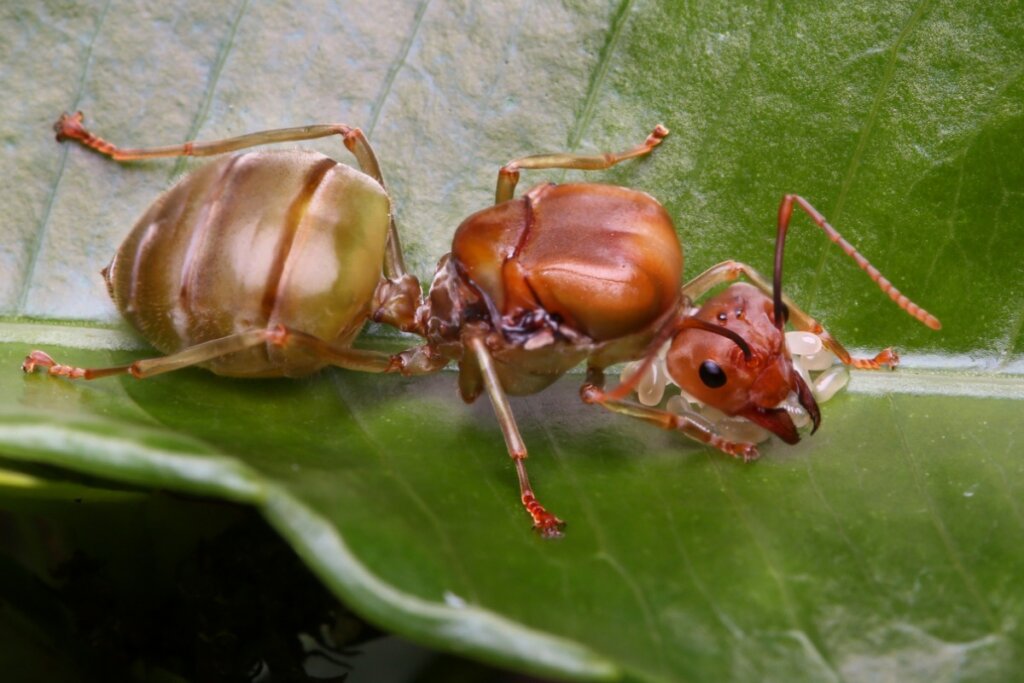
(716, 370)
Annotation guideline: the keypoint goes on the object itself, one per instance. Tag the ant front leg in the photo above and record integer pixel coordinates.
(508, 176)
(70, 127)
(545, 523)
(693, 426)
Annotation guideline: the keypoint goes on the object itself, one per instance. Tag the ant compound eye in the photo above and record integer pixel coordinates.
(712, 374)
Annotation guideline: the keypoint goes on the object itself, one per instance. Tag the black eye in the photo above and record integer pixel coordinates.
(711, 374)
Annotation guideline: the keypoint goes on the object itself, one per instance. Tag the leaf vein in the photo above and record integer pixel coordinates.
(951, 223)
(35, 246)
(721, 616)
(218, 66)
(600, 72)
(855, 551)
(1004, 478)
(410, 491)
(810, 641)
(940, 527)
(605, 555)
(865, 135)
(396, 66)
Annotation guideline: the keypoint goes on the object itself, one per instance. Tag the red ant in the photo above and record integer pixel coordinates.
(269, 263)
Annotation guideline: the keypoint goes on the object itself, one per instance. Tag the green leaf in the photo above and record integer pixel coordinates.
(886, 546)
(888, 542)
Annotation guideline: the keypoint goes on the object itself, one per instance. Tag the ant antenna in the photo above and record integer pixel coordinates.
(785, 213)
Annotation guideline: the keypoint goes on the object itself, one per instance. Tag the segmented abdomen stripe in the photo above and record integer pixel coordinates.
(296, 212)
(205, 223)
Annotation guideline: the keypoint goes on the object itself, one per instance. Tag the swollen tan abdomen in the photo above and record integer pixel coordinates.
(218, 252)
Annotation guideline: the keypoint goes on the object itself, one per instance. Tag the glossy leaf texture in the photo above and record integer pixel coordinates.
(886, 546)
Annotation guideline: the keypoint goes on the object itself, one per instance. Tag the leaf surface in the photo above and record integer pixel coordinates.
(888, 545)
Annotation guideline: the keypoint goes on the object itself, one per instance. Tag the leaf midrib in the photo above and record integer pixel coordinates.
(947, 375)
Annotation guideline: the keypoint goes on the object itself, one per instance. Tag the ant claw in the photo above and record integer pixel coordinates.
(747, 451)
(37, 359)
(550, 527)
(889, 357)
(544, 523)
(69, 126)
(659, 133)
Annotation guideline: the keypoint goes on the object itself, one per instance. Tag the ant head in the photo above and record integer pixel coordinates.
(749, 380)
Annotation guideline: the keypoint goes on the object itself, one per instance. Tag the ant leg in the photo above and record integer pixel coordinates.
(508, 176)
(409, 362)
(545, 523)
(730, 271)
(141, 369)
(693, 426)
(394, 261)
(70, 127)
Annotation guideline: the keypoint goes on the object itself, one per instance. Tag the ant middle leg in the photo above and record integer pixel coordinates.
(545, 523)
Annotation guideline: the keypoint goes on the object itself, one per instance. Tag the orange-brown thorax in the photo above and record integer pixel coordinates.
(561, 274)
(603, 261)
